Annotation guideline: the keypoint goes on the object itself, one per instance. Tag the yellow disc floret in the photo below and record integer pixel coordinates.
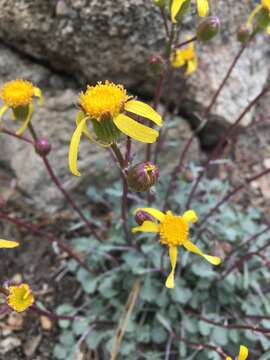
(266, 4)
(20, 297)
(17, 93)
(173, 230)
(103, 100)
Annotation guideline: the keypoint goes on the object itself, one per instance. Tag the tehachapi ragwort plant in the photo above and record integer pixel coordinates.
(202, 311)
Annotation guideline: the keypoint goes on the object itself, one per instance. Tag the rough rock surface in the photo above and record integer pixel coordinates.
(61, 45)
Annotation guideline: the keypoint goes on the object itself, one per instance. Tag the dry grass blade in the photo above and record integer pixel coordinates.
(123, 321)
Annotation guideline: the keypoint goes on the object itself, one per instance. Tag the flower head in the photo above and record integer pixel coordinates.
(110, 111)
(8, 244)
(174, 232)
(103, 100)
(185, 57)
(177, 6)
(243, 353)
(18, 95)
(20, 297)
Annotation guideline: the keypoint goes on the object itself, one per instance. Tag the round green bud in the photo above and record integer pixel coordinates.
(208, 29)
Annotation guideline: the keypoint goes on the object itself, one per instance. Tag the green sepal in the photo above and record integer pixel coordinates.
(21, 112)
(105, 130)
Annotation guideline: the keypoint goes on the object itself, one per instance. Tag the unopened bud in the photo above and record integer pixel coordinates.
(157, 64)
(142, 176)
(208, 29)
(244, 33)
(42, 147)
(188, 176)
(141, 216)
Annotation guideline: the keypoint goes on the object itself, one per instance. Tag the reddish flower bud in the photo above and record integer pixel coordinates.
(156, 64)
(42, 147)
(142, 176)
(188, 176)
(244, 33)
(141, 216)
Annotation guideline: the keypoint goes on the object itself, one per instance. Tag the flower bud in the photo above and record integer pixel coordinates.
(157, 64)
(42, 147)
(208, 29)
(142, 176)
(142, 216)
(188, 176)
(244, 33)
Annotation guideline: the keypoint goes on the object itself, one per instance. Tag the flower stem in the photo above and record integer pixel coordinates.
(50, 237)
(189, 142)
(20, 137)
(60, 187)
(222, 142)
(231, 194)
(123, 162)
(185, 42)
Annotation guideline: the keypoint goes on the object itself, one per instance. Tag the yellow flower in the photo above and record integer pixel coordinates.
(18, 95)
(185, 57)
(265, 5)
(173, 231)
(202, 7)
(20, 297)
(243, 353)
(8, 244)
(110, 110)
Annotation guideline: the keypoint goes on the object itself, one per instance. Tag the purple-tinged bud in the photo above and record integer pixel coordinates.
(142, 176)
(244, 33)
(157, 64)
(188, 176)
(142, 216)
(42, 147)
(208, 29)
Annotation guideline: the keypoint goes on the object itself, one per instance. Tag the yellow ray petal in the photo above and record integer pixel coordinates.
(147, 226)
(144, 110)
(80, 116)
(243, 354)
(192, 66)
(268, 30)
(173, 259)
(8, 244)
(74, 148)
(3, 109)
(157, 214)
(38, 94)
(175, 8)
(22, 129)
(193, 248)
(203, 7)
(135, 130)
(190, 216)
(228, 358)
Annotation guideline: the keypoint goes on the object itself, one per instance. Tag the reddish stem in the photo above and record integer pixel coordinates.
(35, 230)
(20, 137)
(229, 195)
(69, 199)
(222, 142)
